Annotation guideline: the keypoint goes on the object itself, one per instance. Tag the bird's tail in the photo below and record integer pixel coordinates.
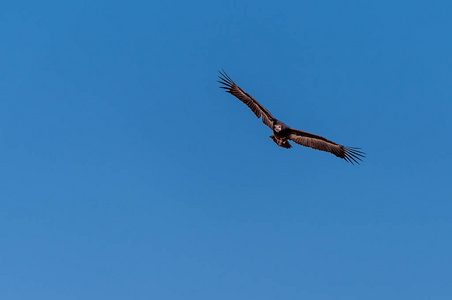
(281, 142)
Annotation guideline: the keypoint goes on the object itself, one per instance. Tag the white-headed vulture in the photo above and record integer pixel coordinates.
(282, 133)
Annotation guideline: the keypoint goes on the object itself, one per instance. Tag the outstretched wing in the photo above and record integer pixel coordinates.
(318, 142)
(231, 87)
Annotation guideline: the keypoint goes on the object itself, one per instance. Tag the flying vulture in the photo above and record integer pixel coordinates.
(282, 133)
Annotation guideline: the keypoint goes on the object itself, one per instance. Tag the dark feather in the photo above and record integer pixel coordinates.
(258, 109)
(350, 154)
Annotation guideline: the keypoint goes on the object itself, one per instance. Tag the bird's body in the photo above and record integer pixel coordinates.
(282, 133)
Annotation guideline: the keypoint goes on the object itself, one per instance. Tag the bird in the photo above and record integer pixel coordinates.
(282, 133)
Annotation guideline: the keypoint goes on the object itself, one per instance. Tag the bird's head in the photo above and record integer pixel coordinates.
(277, 127)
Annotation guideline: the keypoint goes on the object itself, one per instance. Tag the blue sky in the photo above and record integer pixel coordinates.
(128, 174)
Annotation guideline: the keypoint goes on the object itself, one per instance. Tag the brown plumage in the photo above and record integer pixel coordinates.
(282, 133)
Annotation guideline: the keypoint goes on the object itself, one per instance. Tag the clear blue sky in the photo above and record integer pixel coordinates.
(127, 173)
